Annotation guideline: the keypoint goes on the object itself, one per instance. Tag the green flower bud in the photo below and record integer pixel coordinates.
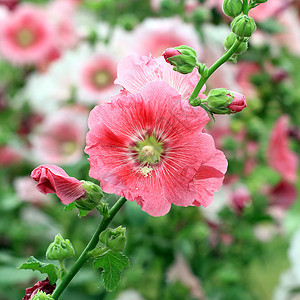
(42, 296)
(243, 26)
(230, 40)
(183, 58)
(232, 8)
(218, 101)
(60, 249)
(92, 198)
(114, 239)
(259, 1)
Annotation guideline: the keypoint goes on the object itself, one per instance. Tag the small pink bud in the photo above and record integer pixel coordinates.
(53, 179)
(238, 103)
(170, 52)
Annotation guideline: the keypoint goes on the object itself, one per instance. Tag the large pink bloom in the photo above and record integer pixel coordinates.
(53, 179)
(280, 157)
(26, 37)
(135, 71)
(150, 148)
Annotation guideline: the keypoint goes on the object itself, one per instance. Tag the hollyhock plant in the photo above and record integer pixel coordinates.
(135, 71)
(279, 155)
(26, 37)
(141, 146)
(53, 179)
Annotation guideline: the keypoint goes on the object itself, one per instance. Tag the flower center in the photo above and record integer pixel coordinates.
(101, 78)
(149, 151)
(25, 37)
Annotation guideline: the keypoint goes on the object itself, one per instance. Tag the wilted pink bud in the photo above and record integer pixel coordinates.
(44, 286)
(53, 179)
(239, 199)
(238, 103)
(170, 52)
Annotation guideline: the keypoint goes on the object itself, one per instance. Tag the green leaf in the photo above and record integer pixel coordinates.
(113, 264)
(35, 265)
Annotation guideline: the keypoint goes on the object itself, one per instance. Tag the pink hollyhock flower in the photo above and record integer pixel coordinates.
(279, 155)
(150, 148)
(155, 35)
(135, 71)
(60, 138)
(26, 37)
(43, 286)
(96, 78)
(53, 179)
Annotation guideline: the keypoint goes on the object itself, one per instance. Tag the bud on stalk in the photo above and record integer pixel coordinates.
(222, 101)
(60, 249)
(183, 58)
(230, 40)
(41, 296)
(243, 26)
(232, 8)
(114, 239)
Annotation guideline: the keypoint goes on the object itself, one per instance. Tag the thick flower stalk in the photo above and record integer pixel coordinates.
(150, 148)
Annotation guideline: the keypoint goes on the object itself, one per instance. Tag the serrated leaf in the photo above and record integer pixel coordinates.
(113, 264)
(35, 265)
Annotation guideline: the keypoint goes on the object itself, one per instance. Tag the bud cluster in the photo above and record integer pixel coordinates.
(114, 239)
(60, 249)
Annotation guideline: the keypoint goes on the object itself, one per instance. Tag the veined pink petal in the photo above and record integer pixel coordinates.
(135, 71)
(53, 179)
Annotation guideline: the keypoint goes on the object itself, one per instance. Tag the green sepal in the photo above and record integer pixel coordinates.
(114, 239)
(40, 295)
(112, 263)
(35, 265)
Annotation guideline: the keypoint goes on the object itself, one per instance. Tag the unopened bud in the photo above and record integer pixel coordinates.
(259, 1)
(230, 40)
(232, 8)
(114, 239)
(92, 197)
(243, 26)
(183, 58)
(222, 101)
(60, 249)
(41, 296)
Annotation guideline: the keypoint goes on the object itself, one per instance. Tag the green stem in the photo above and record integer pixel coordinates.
(91, 245)
(245, 7)
(213, 68)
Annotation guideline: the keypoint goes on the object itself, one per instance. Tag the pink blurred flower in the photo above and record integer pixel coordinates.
(96, 79)
(135, 71)
(26, 37)
(53, 179)
(283, 195)
(239, 199)
(60, 138)
(10, 4)
(43, 286)
(150, 148)
(9, 156)
(27, 192)
(279, 155)
(155, 35)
